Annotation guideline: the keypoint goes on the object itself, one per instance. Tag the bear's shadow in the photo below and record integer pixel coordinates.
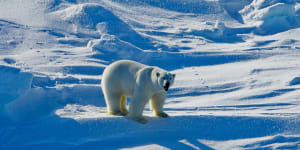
(109, 132)
(185, 132)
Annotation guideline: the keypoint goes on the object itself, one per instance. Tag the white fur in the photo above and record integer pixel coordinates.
(127, 78)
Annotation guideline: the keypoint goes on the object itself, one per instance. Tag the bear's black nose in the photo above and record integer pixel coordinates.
(166, 87)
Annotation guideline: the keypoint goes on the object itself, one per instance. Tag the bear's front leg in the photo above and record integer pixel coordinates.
(141, 120)
(137, 105)
(157, 102)
(162, 114)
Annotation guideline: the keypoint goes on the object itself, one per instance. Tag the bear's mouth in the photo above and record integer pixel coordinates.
(166, 87)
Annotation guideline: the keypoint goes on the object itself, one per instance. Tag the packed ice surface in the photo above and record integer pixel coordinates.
(236, 63)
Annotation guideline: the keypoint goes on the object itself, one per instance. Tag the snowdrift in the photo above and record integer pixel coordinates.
(109, 45)
(271, 16)
(14, 83)
(39, 102)
(94, 16)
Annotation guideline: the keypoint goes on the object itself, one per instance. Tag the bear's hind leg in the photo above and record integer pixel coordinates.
(123, 105)
(113, 102)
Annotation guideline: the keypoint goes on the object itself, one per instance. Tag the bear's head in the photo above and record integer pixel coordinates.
(165, 79)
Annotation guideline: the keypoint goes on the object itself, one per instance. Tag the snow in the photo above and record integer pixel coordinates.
(14, 83)
(236, 64)
(264, 14)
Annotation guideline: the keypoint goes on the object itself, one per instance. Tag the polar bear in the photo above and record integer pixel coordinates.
(142, 83)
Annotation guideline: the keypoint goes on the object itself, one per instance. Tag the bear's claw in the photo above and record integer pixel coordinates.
(119, 113)
(125, 111)
(141, 120)
(162, 114)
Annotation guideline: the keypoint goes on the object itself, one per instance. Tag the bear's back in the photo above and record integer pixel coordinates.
(120, 76)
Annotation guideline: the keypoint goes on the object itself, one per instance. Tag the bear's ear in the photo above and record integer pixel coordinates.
(157, 74)
(174, 75)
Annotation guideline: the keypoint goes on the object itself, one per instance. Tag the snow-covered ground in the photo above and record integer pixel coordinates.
(236, 62)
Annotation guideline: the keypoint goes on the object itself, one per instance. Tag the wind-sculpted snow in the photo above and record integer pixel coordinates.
(295, 81)
(13, 83)
(236, 64)
(94, 16)
(111, 45)
(264, 14)
(195, 6)
(220, 33)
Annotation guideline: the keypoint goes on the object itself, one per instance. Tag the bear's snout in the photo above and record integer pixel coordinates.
(166, 87)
